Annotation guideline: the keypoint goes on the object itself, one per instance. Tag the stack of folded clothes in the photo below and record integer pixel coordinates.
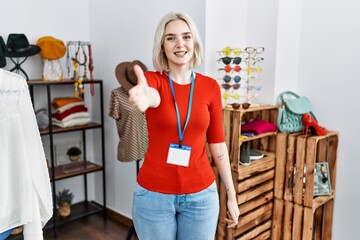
(256, 127)
(69, 111)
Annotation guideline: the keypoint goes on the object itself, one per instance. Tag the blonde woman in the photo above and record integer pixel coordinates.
(176, 195)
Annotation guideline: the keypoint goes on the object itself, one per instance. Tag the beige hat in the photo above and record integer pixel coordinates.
(125, 73)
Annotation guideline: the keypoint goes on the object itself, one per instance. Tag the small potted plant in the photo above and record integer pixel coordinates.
(74, 153)
(64, 200)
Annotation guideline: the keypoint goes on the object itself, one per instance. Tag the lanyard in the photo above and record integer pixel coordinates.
(181, 133)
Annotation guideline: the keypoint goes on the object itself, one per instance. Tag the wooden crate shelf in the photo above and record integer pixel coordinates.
(242, 172)
(292, 221)
(298, 214)
(276, 194)
(297, 154)
(254, 184)
(251, 222)
(255, 192)
(255, 180)
(256, 202)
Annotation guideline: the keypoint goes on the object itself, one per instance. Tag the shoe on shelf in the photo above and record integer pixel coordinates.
(245, 154)
(255, 155)
(309, 122)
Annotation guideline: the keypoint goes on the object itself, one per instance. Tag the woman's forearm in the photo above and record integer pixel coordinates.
(220, 156)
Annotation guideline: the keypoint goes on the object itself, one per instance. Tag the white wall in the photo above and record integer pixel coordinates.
(329, 75)
(317, 56)
(63, 19)
(311, 48)
(222, 30)
(287, 45)
(38, 18)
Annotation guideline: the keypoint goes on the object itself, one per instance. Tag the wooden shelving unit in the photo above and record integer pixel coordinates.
(56, 129)
(276, 194)
(254, 183)
(79, 169)
(78, 211)
(82, 168)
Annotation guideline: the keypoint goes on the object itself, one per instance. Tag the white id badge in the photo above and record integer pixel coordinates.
(179, 155)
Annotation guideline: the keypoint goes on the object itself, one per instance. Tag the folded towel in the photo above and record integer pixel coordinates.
(76, 109)
(59, 102)
(68, 106)
(74, 116)
(72, 122)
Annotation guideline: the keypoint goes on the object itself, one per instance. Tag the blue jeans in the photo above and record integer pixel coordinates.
(161, 216)
(5, 234)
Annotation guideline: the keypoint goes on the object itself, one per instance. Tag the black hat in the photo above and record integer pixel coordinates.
(2, 53)
(18, 46)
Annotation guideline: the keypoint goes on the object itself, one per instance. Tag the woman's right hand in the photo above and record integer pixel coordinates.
(141, 95)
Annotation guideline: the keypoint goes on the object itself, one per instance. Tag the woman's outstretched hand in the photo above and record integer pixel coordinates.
(140, 95)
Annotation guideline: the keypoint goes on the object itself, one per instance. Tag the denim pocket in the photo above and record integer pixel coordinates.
(139, 190)
(212, 187)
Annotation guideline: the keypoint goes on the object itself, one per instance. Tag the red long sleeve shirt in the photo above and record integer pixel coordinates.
(205, 124)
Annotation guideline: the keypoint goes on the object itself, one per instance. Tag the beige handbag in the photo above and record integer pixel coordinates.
(52, 70)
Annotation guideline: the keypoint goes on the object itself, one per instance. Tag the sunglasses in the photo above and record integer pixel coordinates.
(228, 68)
(251, 78)
(228, 50)
(227, 60)
(240, 105)
(227, 86)
(228, 78)
(252, 95)
(251, 87)
(227, 96)
(254, 51)
(250, 70)
(253, 61)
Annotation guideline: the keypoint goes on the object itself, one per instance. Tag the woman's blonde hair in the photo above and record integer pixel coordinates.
(160, 61)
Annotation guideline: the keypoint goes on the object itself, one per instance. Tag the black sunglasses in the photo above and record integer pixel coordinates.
(228, 60)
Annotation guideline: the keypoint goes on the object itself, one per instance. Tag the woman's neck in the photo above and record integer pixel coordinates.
(180, 76)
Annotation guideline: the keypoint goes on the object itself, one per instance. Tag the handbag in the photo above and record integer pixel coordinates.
(291, 111)
(52, 70)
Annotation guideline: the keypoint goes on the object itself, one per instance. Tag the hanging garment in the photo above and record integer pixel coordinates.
(131, 125)
(25, 191)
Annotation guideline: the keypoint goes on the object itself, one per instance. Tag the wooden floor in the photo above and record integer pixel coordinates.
(90, 228)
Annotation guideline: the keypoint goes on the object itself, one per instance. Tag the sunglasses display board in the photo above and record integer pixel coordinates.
(240, 74)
